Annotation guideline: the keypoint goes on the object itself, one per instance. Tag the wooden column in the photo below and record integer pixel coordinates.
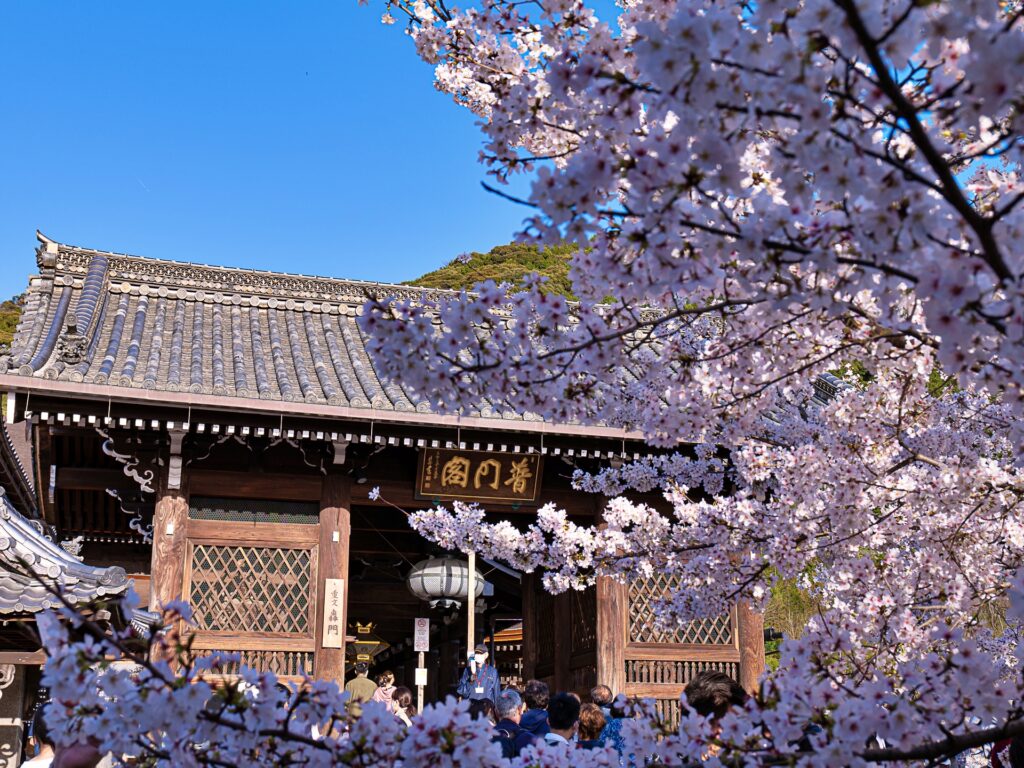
(612, 633)
(332, 558)
(750, 631)
(528, 586)
(170, 521)
(563, 641)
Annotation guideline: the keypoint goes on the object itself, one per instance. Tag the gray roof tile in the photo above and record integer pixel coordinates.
(29, 561)
(178, 327)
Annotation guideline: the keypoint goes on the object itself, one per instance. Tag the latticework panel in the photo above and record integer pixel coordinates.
(250, 589)
(583, 620)
(253, 511)
(675, 672)
(644, 593)
(287, 663)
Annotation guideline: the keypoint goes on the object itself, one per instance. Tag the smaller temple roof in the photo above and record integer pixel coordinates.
(24, 546)
(14, 478)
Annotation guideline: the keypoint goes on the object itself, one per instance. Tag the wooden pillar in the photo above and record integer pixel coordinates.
(528, 586)
(750, 632)
(447, 664)
(563, 641)
(167, 564)
(612, 633)
(332, 563)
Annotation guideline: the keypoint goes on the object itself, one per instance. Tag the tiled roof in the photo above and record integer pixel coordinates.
(24, 547)
(146, 324)
(14, 452)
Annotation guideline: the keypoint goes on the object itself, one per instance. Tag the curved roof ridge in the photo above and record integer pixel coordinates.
(159, 261)
(31, 563)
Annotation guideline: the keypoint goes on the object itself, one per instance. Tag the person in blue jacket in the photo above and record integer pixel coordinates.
(479, 679)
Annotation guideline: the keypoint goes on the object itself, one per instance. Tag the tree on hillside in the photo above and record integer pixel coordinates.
(10, 313)
(506, 264)
(769, 191)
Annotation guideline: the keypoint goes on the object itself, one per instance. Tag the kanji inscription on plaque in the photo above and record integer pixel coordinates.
(334, 613)
(478, 475)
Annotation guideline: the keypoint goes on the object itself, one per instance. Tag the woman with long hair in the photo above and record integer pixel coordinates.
(385, 688)
(402, 703)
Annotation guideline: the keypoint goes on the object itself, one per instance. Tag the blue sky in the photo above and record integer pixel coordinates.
(302, 136)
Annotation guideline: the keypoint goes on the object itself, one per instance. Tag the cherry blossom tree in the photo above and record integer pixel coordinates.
(764, 193)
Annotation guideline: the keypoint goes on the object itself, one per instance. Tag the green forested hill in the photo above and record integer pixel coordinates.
(10, 311)
(505, 263)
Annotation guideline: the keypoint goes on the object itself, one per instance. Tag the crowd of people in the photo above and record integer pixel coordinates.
(534, 715)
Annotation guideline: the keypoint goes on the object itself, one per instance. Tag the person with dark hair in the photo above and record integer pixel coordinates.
(482, 708)
(509, 709)
(535, 719)
(712, 694)
(385, 687)
(1017, 752)
(402, 704)
(592, 722)
(602, 696)
(44, 756)
(563, 719)
(84, 754)
(480, 680)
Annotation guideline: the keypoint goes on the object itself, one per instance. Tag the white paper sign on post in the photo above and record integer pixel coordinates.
(421, 636)
(334, 614)
(421, 676)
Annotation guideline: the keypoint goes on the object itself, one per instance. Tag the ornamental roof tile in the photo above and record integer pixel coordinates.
(138, 323)
(30, 560)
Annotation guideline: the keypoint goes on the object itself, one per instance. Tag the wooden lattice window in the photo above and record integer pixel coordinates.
(251, 580)
(251, 589)
(645, 593)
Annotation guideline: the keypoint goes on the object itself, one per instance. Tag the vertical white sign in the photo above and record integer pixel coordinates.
(421, 636)
(334, 613)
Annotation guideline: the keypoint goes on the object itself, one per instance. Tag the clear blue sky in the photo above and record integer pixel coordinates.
(296, 136)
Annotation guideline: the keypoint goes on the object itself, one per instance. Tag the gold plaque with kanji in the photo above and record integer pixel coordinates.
(512, 478)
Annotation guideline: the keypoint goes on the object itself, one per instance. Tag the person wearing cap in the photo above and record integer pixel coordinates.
(479, 679)
(360, 688)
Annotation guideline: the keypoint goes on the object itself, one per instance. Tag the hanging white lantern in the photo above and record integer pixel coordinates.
(444, 581)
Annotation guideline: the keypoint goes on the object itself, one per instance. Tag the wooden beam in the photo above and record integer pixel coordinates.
(612, 632)
(93, 479)
(681, 652)
(402, 494)
(232, 409)
(234, 533)
(750, 632)
(22, 657)
(255, 485)
(335, 531)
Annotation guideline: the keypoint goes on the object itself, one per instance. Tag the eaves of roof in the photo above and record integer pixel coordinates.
(122, 328)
